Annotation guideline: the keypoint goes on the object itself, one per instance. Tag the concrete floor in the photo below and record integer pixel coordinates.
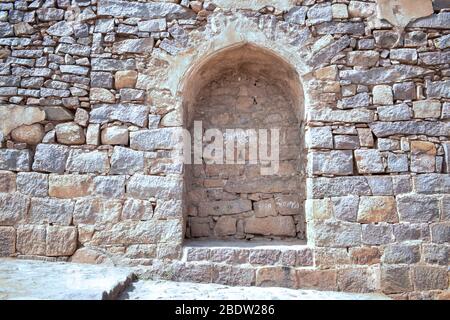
(38, 280)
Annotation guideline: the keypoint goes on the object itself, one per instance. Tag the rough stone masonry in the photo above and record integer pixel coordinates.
(94, 94)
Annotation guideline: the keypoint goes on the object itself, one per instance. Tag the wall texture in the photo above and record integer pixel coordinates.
(94, 93)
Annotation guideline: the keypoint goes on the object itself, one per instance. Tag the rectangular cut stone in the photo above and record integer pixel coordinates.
(31, 239)
(337, 162)
(61, 241)
(356, 101)
(88, 161)
(418, 208)
(435, 21)
(150, 10)
(156, 139)
(427, 109)
(261, 184)
(145, 187)
(384, 129)
(74, 49)
(133, 46)
(7, 241)
(105, 64)
(438, 89)
(51, 158)
(432, 183)
(135, 114)
(377, 209)
(218, 208)
(355, 28)
(50, 211)
(126, 161)
(110, 186)
(336, 234)
(70, 186)
(397, 112)
(369, 161)
(15, 160)
(360, 115)
(7, 181)
(97, 211)
(336, 187)
(383, 75)
(32, 183)
(276, 226)
(13, 208)
(153, 25)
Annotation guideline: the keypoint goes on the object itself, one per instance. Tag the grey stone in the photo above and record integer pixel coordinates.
(404, 91)
(70, 133)
(6, 30)
(345, 208)
(440, 232)
(224, 207)
(50, 158)
(110, 187)
(443, 42)
(346, 142)
(435, 58)
(369, 161)
(14, 208)
(134, 46)
(116, 135)
(435, 21)
(385, 144)
(74, 49)
(401, 184)
(105, 64)
(335, 187)
(135, 114)
(438, 89)
(50, 14)
(436, 253)
(32, 183)
(61, 241)
(395, 279)
(415, 39)
(9, 81)
(7, 241)
(319, 137)
(376, 234)
(60, 29)
(401, 253)
(74, 69)
(87, 161)
(382, 75)
(430, 278)
(126, 161)
(336, 234)
(360, 115)
(156, 139)
(329, 52)
(153, 25)
(101, 80)
(319, 13)
(404, 55)
(137, 210)
(151, 10)
(384, 129)
(418, 208)
(145, 187)
(397, 162)
(58, 114)
(296, 15)
(380, 185)
(409, 231)
(104, 25)
(15, 160)
(50, 211)
(386, 38)
(363, 58)
(432, 183)
(356, 101)
(334, 162)
(97, 211)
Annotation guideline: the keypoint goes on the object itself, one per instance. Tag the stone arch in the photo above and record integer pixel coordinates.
(262, 91)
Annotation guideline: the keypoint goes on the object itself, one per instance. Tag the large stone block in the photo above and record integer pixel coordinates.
(369, 161)
(145, 187)
(376, 234)
(276, 276)
(70, 186)
(401, 253)
(233, 276)
(13, 208)
(31, 240)
(440, 232)
(377, 209)
(432, 183)
(261, 184)
(345, 208)
(97, 211)
(395, 279)
(87, 161)
(7, 181)
(317, 279)
(32, 183)
(15, 160)
(156, 139)
(288, 204)
(61, 241)
(109, 186)
(384, 129)
(418, 208)
(383, 75)
(50, 211)
(337, 162)
(134, 209)
(336, 233)
(336, 187)
(430, 278)
(127, 113)
(50, 158)
(355, 280)
(7, 241)
(276, 226)
(70, 133)
(126, 161)
(319, 137)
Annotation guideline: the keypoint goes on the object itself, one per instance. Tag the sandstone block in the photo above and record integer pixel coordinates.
(377, 209)
(50, 211)
(363, 58)
(125, 79)
(115, 135)
(336, 233)
(288, 204)
(69, 186)
(31, 239)
(319, 137)
(97, 211)
(277, 226)
(31, 134)
(224, 207)
(404, 91)
(365, 255)
(317, 279)
(265, 208)
(126, 161)
(225, 226)
(61, 241)
(70, 133)
(101, 95)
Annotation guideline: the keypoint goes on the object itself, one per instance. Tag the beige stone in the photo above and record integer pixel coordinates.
(317, 279)
(225, 226)
(382, 94)
(61, 241)
(115, 135)
(125, 79)
(29, 134)
(327, 73)
(70, 133)
(377, 209)
(276, 276)
(318, 209)
(69, 186)
(423, 147)
(276, 226)
(17, 116)
(31, 239)
(101, 95)
(339, 10)
(265, 208)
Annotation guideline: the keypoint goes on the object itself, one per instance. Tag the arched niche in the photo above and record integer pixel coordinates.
(246, 87)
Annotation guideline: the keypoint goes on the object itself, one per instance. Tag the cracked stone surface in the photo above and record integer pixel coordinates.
(39, 280)
(168, 290)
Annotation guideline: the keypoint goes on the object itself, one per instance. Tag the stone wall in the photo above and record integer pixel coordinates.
(93, 94)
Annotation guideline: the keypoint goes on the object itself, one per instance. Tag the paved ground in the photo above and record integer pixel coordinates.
(38, 280)
(167, 290)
